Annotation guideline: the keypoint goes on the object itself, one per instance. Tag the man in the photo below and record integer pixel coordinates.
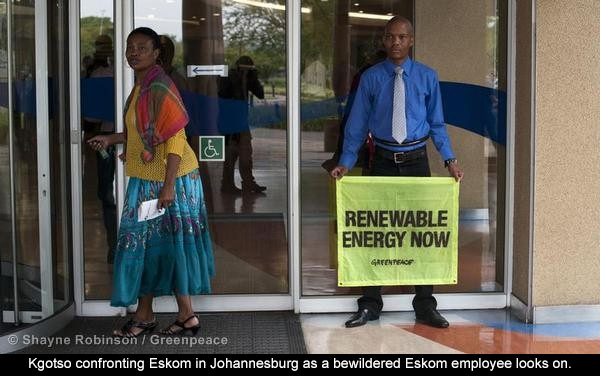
(241, 81)
(399, 103)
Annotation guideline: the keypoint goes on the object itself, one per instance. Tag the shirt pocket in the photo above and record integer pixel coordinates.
(418, 109)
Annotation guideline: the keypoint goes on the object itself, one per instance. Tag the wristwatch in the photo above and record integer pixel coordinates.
(448, 161)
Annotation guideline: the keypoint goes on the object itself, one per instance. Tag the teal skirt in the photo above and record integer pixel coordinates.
(165, 255)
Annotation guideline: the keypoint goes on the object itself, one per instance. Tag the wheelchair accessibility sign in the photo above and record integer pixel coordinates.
(212, 148)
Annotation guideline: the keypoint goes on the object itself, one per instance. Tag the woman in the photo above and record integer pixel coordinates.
(173, 252)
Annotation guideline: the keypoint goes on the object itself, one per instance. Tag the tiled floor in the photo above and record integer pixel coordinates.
(471, 332)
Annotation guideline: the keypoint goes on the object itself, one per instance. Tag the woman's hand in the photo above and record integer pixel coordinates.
(166, 196)
(167, 193)
(100, 142)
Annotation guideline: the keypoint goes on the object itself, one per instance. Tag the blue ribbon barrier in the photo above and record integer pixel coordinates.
(24, 96)
(98, 98)
(474, 108)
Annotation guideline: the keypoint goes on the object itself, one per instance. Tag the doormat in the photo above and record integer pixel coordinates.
(220, 333)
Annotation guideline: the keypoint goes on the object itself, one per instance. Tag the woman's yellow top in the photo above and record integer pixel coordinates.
(157, 168)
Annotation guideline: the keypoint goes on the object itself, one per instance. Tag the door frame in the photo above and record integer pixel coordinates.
(452, 301)
(124, 21)
(124, 78)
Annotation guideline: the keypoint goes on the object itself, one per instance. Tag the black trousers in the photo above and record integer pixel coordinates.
(417, 165)
(106, 177)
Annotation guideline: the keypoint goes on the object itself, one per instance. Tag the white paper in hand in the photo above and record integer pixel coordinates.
(149, 210)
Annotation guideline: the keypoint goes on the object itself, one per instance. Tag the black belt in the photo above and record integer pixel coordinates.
(401, 156)
(405, 143)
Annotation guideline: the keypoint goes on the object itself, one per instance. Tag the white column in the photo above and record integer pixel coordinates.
(43, 155)
(293, 122)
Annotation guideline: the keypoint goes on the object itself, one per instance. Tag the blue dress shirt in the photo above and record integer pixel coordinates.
(372, 110)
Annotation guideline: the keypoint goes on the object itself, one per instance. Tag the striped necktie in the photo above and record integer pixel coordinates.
(399, 113)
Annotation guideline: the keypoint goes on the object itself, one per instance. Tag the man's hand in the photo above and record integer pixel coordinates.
(455, 171)
(338, 172)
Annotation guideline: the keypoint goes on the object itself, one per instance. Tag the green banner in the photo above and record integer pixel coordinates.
(397, 231)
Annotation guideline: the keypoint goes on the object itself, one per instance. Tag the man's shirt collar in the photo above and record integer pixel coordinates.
(390, 67)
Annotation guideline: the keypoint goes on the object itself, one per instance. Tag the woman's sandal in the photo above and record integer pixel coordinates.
(178, 328)
(128, 332)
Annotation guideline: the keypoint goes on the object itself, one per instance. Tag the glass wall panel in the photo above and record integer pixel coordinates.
(465, 42)
(6, 257)
(25, 163)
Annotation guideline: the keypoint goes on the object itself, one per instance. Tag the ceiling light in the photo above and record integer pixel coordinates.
(268, 5)
(371, 16)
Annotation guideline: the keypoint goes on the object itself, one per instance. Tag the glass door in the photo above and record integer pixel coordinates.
(228, 60)
(35, 278)
(340, 39)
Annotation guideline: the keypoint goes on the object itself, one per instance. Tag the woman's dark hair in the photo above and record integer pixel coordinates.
(149, 33)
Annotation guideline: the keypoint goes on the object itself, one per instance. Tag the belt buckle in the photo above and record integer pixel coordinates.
(398, 157)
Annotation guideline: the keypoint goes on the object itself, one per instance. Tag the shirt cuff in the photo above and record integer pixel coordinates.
(447, 153)
(348, 160)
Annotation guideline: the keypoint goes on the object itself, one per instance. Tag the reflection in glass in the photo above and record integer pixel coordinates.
(339, 40)
(98, 113)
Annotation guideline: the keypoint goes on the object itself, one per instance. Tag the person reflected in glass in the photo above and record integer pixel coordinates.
(241, 81)
(165, 60)
(101, 67)
(365, 155)
(380, 110)
(171, 253)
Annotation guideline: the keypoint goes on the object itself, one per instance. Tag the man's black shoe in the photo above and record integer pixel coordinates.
(359, 318)
(253, 188)
(433, 318)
